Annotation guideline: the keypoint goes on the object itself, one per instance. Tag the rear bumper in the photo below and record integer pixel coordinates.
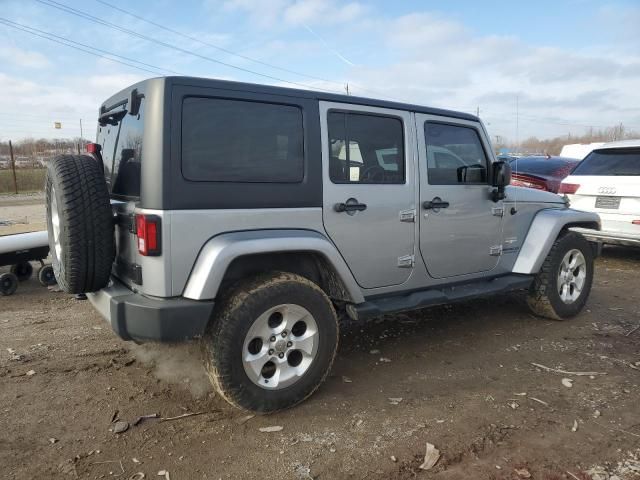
(610, 238)
(135, 317)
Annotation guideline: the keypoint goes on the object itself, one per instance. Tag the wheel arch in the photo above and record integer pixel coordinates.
(231, 256)
(545, 228)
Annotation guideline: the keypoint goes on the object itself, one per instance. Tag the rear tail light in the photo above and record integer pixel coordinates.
(148, 232)
(520, 180)
(635, 222)
(569, 188)
(93, 148)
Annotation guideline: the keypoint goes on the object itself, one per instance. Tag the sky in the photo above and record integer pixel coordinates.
(529, 68)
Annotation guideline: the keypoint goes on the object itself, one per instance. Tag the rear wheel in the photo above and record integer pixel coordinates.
(271, 343)
(22, 270)
(8, 284)
(561, 288)
(46, 276)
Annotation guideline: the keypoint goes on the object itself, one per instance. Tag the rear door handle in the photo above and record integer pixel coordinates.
(351, 205)
(435, 204)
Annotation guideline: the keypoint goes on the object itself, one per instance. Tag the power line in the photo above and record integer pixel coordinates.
(92, 18)
(100, 21)
(64, 39)
(217, 47)
(72, 44)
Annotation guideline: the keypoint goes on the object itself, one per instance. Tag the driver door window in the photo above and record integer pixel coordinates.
(454, 155)
(376, 149)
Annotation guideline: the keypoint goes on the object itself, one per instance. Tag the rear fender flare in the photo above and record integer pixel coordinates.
(217, 254)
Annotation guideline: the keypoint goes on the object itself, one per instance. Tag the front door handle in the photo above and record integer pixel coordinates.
(435, 204)
(350, 206)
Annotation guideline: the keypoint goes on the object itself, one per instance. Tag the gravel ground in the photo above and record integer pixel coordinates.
(22, 213)
(460, 377)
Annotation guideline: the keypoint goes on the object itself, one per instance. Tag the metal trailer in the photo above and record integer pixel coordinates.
(18, 250)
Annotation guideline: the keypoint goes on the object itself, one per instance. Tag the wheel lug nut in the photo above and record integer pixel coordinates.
(271, 351)
(283, 334)
(289, 344)
(281, 355)
(273, 338)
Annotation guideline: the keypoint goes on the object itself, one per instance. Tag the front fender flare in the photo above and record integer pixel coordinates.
(543, 232)
(218, 253)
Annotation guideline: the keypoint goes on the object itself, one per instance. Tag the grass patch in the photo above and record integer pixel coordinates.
(29, 180)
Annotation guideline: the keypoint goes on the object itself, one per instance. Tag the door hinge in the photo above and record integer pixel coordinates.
(408, 215)
(497, 211)
(495, 250)
(406, 261)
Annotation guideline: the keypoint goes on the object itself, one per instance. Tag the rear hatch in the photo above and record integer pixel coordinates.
(607, 182)
(120, 134)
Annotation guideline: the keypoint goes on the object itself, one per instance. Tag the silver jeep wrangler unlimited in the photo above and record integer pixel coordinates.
(252, 217)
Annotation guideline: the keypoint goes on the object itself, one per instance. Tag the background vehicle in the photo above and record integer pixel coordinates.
(18, 250)
(608, 182)
(255, 215)
(541, 172)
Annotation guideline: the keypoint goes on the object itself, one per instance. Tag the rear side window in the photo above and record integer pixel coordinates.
(121, 142)
(618, 162)
(375, 152)
(241, 141)
(454, 155)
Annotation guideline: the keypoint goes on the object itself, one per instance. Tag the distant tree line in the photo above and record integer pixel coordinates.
(553, 146)
(33, 153)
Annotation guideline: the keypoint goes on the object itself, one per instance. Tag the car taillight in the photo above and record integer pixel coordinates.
(148, 232)
(635, 222)
(520, 180)
(93, 148)
(569, 188)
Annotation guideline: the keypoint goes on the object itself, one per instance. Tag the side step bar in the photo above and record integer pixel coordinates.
(438, 296)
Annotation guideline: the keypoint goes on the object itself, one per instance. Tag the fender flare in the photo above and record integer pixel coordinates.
(218, 253)
(543, 232)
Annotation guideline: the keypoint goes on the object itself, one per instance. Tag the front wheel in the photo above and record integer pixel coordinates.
(272, 342)
(561, 288)
(8, 283)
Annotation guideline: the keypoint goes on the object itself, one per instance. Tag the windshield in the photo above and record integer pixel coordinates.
(122, 152)
(618, 162)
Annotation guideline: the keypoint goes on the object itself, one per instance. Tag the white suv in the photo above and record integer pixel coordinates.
(607, 182)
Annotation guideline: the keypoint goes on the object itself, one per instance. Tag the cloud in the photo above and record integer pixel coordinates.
(322, 11)
(23, 58)
(268, 13)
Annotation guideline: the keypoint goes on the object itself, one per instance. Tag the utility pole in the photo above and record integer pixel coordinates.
(13, 166)
(517, 121)
(478, 111)
(346, 87)
(81, 139)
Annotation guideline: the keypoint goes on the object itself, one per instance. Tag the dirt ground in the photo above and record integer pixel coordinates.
(460, 377)
(22, 213)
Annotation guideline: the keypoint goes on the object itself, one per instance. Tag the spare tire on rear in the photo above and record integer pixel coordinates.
(80, 223)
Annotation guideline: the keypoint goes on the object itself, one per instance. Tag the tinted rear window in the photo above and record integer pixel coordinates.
(619, 162)
(241, 141)
(122, 153)
(543, 165)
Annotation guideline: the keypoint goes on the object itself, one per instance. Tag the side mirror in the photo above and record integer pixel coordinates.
(500, 178)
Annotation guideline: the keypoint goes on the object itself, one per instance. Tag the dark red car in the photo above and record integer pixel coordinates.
(541, 172)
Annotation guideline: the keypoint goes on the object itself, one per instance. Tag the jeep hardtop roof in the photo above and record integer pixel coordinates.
(283, 91)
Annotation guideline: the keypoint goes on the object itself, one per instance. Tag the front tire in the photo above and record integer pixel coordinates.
(271, 343)
(8, 284)
(561, 288)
